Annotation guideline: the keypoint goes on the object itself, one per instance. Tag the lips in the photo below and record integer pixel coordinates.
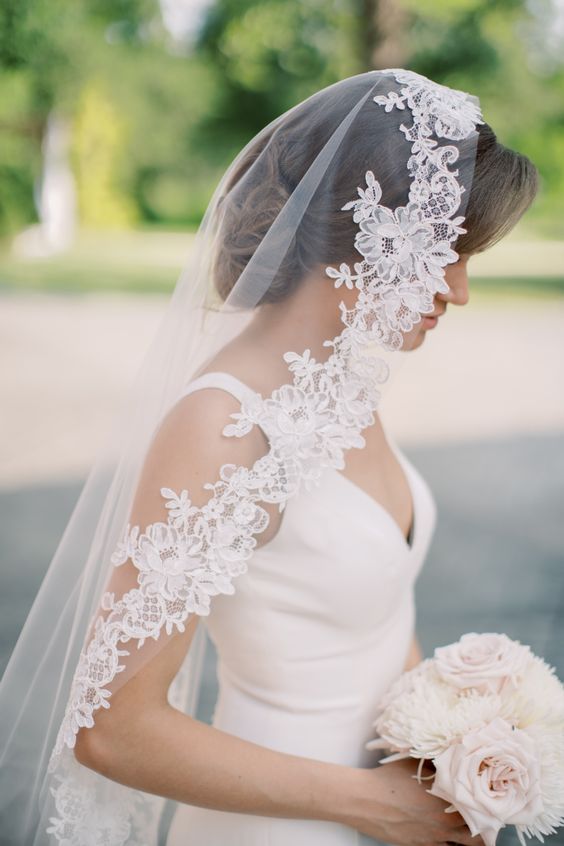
(430, 320)
(437, 313)
(433, 318)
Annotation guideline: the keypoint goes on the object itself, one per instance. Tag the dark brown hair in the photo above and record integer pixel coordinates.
(503, 186)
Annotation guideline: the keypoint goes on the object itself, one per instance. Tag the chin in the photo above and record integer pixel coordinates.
(412, 343)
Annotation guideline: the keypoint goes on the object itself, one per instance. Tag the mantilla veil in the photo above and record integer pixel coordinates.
(368, 181)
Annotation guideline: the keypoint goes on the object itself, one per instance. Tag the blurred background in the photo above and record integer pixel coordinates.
(118, 117)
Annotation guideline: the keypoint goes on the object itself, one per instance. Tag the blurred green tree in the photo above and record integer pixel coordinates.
(99, 142)
(186, 107)
(268, 55)
(49, 52)
(499, 51)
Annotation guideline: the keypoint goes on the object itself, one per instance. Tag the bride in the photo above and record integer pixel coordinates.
(256, 494)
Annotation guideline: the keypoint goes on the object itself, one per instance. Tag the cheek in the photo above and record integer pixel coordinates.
(413, 338)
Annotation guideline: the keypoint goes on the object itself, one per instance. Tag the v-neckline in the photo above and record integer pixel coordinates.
(408, 545)
(373, 503)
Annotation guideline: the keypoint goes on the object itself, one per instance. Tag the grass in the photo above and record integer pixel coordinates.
(527, 286)
(138, 261)
(75, 277)
(149, 261)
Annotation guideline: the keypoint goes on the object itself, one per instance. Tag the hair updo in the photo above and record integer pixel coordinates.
(270, 167)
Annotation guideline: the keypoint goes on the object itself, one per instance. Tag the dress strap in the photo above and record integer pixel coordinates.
(219, 379)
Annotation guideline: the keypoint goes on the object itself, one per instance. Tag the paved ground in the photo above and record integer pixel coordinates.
(495, 564)
(496, 561)
(492, 368)
(484, 423)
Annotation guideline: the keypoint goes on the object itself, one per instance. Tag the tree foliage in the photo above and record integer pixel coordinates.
(168, 116)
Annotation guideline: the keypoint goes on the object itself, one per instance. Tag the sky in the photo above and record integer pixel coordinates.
(183, 17)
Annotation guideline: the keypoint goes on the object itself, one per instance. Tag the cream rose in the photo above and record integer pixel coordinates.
(492, 778)
(485, 661)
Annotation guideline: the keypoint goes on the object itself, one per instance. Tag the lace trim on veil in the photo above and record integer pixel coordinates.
(309, 424)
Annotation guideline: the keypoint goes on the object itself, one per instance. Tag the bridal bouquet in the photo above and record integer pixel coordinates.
(489, 715)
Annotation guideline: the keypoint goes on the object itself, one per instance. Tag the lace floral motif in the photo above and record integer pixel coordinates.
(406, 249)
(196, 554)
(310, 423)
(97, 812)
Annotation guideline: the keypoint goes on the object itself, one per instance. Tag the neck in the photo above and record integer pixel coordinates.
(303, 320)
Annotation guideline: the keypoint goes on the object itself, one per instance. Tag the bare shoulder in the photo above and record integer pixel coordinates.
(189, 448)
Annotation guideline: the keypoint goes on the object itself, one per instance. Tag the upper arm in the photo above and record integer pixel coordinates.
(189, 448)
(186, 453)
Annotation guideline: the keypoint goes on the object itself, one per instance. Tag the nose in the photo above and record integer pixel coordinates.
(456, 277)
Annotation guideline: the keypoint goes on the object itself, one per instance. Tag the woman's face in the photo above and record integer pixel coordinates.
(456, 276)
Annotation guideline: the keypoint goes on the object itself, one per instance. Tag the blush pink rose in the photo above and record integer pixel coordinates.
(485, 661)
(492, 778)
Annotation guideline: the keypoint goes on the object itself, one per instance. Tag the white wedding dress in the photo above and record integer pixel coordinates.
(317, 629)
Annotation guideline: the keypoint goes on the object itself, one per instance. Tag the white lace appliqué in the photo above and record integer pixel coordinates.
(310, 423)
(406, 249)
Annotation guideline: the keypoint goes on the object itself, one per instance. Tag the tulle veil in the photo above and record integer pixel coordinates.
(369, 178)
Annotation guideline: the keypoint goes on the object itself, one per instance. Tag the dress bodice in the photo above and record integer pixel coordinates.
(321, 622)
